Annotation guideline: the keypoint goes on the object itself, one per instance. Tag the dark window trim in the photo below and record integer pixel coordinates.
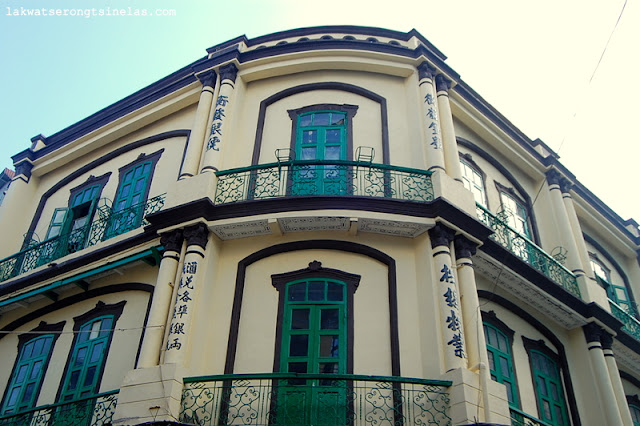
(91, 181)
(510, 191)
(334, 245)
(509, 176)
(23, 339)
(350, 110)
(101, 309)
(264, 104)
(572, 405)
(315, 270)
(142, 158)
(468, 158)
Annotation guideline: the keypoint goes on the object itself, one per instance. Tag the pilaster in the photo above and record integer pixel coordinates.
(450, 146)
(434, 156)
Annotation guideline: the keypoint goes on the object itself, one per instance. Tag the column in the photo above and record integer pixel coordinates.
(563, 225)
(592, 333)
(565, 187)
(607, 343)
(219, 128)
(199, 127)
(446, 289)
(187, 292)
(449, 144)
(161, 301)
(434, 156)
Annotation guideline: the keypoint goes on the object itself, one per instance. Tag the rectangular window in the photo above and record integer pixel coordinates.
(516, 214)
(501, 361)
(27, 376)
(549, 391)
(473, 181)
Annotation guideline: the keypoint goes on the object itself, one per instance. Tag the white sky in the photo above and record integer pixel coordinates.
(532, 60)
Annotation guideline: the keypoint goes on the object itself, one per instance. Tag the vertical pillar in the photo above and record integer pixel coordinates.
(446, 289)
(605, 390)
(161, 302)
(565, 187)
(449, 144)
(607, 343)
(564, 227)
(217, 136)
(434, 156)
(199, 127)
(178, 337)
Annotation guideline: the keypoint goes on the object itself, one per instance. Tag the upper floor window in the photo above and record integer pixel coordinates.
(501, 361)
(634, 408)
(616, 293)
(30, 367)
(472, 180)
(516, 214)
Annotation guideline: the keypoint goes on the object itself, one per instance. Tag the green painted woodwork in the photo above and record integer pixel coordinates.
(27, 376)
(321, 135)
(88, 355)
(549, 391)
(57, 223)
(501, 361)
(314, 340)
(128, 208)
(635, 414)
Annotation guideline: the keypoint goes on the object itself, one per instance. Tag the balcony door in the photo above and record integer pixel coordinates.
(128, 208)
(314, 340)
(321, 135)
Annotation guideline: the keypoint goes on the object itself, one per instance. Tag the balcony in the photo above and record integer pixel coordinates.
(109, 223)
(631, 324)
(314, 399)
(520, 418)
(527, 251)
(317, 177)
(94, 411)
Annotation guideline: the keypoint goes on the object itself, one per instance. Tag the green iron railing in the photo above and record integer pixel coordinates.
(97, 410)
(631, 324)
(314, 399)
(316, 177)
(108, 224)
(520, 418)
(526, 250)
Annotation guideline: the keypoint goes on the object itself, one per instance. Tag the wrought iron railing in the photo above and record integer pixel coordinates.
(526, 250)
(108, 224)
(308, 178)
(520, 418)
(94, 411)
(314, 399)
(631, 324)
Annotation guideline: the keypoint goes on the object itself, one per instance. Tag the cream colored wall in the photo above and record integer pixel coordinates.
(256, 338)
(404, 129)
(122, 352)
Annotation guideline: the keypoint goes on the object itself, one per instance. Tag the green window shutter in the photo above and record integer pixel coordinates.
(635, 414)
(128, 208)
(57, 223)
(501, 361)
(27, 376)
(87, 359)
(549, 391)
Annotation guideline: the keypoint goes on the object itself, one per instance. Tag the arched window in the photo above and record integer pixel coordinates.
(473, 180)
(616, 293)
(499, 339)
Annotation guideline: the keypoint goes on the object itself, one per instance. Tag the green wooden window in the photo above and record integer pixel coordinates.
(517, 216)
(79, 217)
(128, 208)
(87, 359)
(473, 181)
(28, 374)
(635, 414)
(549, 391)
(617, 293)
(321, 135)
(57, 223)
(501, 361)
(314, 340)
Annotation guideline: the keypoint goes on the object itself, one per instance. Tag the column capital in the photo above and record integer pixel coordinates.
(592, 332)
(442, 83)
(197, 235)
(24, 168)
(606, 339)
(553, 177)
(425, 70)
(440, 235)
(228, 72)
(172, 241)
(565, 185)
(207, 78)
(465, 248)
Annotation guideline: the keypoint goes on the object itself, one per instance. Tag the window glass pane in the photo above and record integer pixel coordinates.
(147, 169)
(337, 118)
(504, 366)
(329, 319)
(96, 353)
(542, 386)
(59, 216)
(308, 154)
(332, 153)
(309, 136)
(299, 345)
(316, 291)
(73, 380)
(328, 367)
(88, 379)
(137, 172)
(124, 192)
(300, 319)
(321, 119)
(297, 367)
(140, 185)
(305, 120)
(13, 396)
(28, 392)
(547, 410)
(95, 330)
(105, 328)
(334, 292)
(297, 292)
(81, 355)
(333, 135)
(492, 361)
(37, 347)
(35, 370)
(22, 373)
(28, 350)
(329, 346)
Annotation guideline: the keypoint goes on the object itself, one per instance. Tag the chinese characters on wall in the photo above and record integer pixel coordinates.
(433, 133)
(183, 306)
(216, 125)
(453, 321)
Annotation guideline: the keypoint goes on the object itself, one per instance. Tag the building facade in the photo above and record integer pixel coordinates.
(323, 226)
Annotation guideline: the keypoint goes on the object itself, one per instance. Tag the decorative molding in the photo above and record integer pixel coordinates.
(426, 70)
(172, 241)
(247, 229)
(592, 332)
(464, 247)
(305, 224)
(228, 72)
(553, 177)
(197, 235)
(606, 339)
(443, 84)
(440, 235)
(207, 78)
(392, 227)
